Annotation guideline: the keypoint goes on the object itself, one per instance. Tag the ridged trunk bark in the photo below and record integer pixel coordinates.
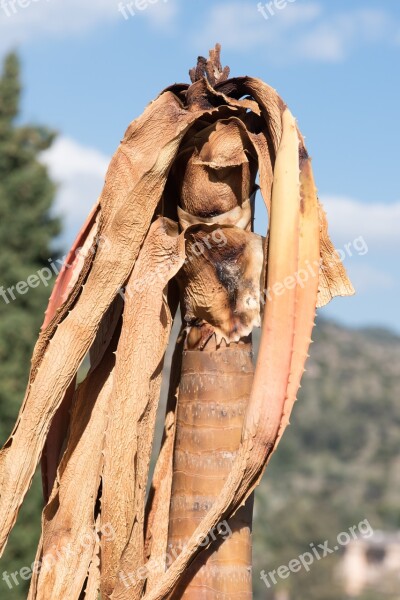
(213, 394)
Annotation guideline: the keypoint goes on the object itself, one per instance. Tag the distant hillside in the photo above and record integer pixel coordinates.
(338, 463)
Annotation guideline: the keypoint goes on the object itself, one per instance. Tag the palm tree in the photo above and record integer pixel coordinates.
(193, 157)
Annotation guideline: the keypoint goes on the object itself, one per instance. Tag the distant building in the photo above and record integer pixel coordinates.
(372, 564)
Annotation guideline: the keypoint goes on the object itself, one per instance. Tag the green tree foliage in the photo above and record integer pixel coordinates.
(26, 233)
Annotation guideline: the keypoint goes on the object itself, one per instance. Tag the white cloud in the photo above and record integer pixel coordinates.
(378, 223)
(162, 14)
(79, 171)
(51, 18)
(300, 31)
(365, 278)
(333, 38)
(240, 26)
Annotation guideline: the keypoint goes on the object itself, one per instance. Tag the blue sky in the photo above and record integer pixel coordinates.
(88, 72)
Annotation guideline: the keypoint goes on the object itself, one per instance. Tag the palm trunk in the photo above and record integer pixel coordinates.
(219, 283)
(214, 390)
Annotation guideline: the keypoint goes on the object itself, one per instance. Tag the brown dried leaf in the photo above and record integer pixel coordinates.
(220, 280)
(92, 588)
(134, 184)
(144, 337)
(157, 509)
(69, 531)
(333, 277)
